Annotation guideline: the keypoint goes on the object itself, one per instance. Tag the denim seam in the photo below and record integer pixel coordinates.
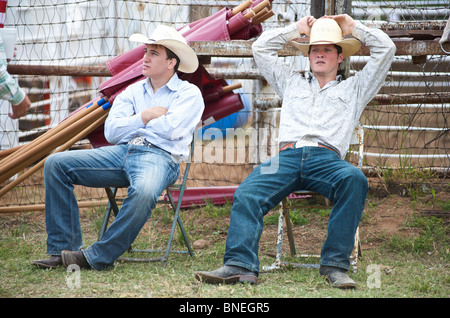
(335, 264)
(273, 194)
(88, 259)
(243, 265)
(306, 177)
(54, 253)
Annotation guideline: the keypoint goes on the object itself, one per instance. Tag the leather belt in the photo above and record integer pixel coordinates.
(292, 145)
(141, 141)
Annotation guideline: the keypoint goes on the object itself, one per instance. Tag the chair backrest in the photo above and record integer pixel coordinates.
(358, 139)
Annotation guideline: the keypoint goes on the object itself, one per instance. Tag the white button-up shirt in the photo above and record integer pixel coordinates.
(326, 115)
(173, 131)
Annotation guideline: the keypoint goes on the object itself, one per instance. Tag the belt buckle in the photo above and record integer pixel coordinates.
(138, 141)
(306, 143)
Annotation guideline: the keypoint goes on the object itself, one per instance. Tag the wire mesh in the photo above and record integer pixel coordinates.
(407, 127)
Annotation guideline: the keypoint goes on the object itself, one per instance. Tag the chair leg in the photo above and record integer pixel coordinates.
(279, 237)
(283, 215)
(177, 220)
(287, 218)
(112, 205)
(356, 253)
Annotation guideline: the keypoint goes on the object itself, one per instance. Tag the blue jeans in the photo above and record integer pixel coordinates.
(145, 171)
(307, 168)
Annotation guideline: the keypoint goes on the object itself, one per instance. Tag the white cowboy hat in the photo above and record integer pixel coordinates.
(327, 31)
(174, 41)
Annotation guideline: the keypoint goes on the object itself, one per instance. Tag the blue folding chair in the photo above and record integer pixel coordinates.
(179, 187)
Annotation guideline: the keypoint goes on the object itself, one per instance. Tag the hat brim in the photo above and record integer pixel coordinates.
(349, 46)
(188, 59)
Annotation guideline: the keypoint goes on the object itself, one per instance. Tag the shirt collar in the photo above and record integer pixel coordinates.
(173, 84)
(310, 76)
(312, 79)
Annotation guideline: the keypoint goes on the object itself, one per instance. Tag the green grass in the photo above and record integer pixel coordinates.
(433, 238)
(405, 267)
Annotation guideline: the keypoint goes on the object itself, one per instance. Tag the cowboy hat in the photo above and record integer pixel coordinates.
(171, 39)
(327, 31)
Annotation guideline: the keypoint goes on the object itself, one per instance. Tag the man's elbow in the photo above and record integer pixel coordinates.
(392, 47)
(111, 138)
(256, 46)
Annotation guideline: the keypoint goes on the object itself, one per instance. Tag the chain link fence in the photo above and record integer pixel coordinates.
(406, 126)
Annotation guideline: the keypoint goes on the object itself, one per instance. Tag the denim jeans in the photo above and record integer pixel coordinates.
(146, 171)
(307, 168)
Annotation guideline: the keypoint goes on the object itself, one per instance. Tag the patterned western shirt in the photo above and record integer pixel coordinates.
(326, 115)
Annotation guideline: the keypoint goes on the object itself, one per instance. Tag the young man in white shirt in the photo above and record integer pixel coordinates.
(319, 113)
(151, 125)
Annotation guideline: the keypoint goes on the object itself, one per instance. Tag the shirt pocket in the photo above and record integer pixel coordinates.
(299, 97)
(335, 111)
(297, 107)
(339, 101)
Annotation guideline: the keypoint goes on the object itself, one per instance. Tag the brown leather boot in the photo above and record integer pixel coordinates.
(227, 275)
(337, 277)
(76, 257)
(53, 261)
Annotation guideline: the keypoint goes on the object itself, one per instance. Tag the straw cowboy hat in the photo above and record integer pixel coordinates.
(327, 31)
(174, 41)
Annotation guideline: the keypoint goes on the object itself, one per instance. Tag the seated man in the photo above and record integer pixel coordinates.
(151, 125)
(319, 113)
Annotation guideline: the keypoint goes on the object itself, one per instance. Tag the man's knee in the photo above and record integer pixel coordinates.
(51, 163)
(361, 180)
(354, 178)
(145, 194)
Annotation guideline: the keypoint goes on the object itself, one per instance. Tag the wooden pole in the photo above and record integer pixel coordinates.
(62, 126)
(43, 148)
(258, 20)
(244, 5)
(261, 5)
(64, 147)
(58, 70)
(9, 151)
(41, 207)
(229, 88)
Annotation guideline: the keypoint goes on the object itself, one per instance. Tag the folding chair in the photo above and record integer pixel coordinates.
(181, 187)
(284, 217)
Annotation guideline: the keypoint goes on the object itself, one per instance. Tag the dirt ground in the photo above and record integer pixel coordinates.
(384, 216)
